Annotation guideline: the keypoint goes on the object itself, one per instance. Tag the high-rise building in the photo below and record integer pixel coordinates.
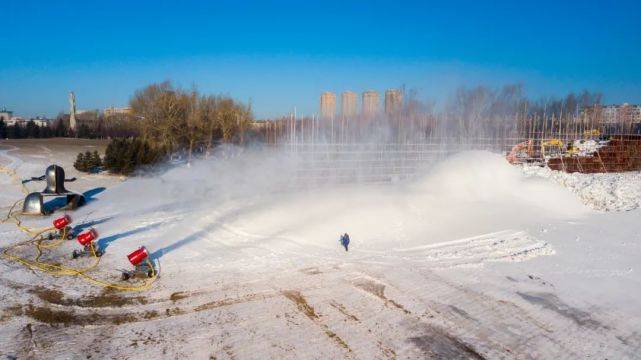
(327, 105)
(370, 103)
(393, 102)
(348, 104)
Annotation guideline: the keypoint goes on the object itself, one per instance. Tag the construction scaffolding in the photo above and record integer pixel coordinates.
(389, 149)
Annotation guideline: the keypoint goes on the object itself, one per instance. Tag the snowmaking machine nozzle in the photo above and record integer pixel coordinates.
(62, 222)
(143, 268)
(86, 240)
(64, 231)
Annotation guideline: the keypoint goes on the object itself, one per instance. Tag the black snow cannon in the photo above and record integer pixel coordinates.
(55, 177)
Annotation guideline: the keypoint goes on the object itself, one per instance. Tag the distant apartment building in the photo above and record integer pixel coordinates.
(630, 113)
(112, 111)
(16, 121)
(614, 114)
(89, 111)
(41, 121)
(636, 114)
(327, 105)
(348, 104)
(610, 114)
(370, 103)
(6, 115)
(393, 102)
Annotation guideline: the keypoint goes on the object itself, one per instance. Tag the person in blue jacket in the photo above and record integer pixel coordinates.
(345, 241)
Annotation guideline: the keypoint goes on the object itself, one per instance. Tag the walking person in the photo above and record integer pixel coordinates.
(345, 241)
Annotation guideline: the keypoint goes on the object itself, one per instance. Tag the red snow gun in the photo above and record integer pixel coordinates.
(143, 268)
(63, 230)
(86, 239)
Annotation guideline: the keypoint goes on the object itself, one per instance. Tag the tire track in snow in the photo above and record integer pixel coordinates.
(504, 327)
(506, 245)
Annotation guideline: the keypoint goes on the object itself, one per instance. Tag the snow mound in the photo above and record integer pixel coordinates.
(480, 176)
(224, 213)
(606, 192)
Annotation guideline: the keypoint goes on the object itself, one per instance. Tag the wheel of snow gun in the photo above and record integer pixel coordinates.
(74, 254)
(150, 273)
(125, 276)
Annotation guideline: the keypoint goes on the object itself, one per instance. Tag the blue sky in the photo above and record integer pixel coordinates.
(280, 55)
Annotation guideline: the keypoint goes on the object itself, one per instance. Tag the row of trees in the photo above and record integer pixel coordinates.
(178, 120)
(92, 125)
(166, 120)
(482, 111)
(31, 130)
(88, 162)
(125, 155)
(58, 128)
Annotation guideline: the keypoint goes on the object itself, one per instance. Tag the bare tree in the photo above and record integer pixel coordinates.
(180, 120)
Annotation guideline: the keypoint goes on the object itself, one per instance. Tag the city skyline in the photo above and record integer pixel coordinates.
(105, 54)
(370, 104)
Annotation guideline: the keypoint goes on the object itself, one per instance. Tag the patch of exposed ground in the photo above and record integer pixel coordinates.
(433, 342)
(301, 303)
(343, 311)
(228, 302)
(67, 317)
(378, 290)
(10, 312)
(179, 295)
(552, 302)
(303, 306)
(388, 352)
(311, 271)
(464, 314)
(107, 299)
(28, 147)
(438, 345)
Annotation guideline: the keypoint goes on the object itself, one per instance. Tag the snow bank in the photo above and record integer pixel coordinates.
(607, 192)
(466, 195)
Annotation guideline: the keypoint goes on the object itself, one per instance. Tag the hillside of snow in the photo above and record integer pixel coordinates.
(474, 258)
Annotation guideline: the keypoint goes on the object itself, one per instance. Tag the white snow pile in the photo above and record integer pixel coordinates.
(241, 211)
(606, 192)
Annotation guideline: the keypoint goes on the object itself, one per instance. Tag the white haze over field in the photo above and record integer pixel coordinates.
(254, 193)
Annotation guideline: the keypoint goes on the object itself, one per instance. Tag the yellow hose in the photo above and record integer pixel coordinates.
(61, 270)
(54, 269)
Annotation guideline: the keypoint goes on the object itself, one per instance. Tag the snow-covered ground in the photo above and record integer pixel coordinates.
(607, 192)
(473, 259)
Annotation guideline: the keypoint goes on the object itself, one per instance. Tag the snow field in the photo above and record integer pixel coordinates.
(475, 258)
